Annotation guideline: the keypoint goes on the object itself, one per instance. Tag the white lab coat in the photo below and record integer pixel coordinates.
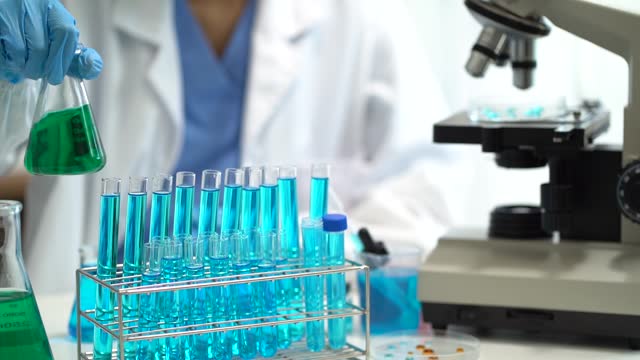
(330, 80)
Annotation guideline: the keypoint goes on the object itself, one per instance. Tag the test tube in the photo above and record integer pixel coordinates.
(266, 292)
(149, 303)
(269, 198)
(314, 249)
(162, 184)
(233, 181)
(185, 188)
(172, 312)
(209, 200)
(334, 226)
(242, 306)
(282, 288)
(107, 264)
(195, 301)
(318, 199)
(288, 206)
(219, 265)
(133, 249)
(250, 208)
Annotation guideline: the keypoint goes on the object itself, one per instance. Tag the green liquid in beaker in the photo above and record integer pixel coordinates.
(65, 142)
(22, 333)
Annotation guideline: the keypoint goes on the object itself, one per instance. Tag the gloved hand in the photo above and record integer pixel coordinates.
(38, 40)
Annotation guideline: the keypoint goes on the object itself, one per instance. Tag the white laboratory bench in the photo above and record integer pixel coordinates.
(502, 346)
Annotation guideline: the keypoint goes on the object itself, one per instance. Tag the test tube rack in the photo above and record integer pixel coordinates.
(125, 331)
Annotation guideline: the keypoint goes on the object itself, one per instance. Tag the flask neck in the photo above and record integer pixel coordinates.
(10, 229)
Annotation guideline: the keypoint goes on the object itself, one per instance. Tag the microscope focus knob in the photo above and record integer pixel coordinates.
(628, 191)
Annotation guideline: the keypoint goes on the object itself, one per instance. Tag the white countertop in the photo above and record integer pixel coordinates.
(501, 346)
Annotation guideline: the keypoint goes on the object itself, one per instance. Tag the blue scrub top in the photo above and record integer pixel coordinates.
(214, 93)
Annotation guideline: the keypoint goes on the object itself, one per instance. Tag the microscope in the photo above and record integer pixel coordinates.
(571, 264)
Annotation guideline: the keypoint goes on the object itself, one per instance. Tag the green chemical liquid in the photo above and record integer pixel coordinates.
(21, 330)
(65, 142)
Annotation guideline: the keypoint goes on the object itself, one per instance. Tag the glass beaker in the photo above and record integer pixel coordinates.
(393, 301)
(64, 139)
(88, 258)
(21, 330)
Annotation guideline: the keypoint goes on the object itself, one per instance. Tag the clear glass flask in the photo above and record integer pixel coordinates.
(21, 329)
(64, 139)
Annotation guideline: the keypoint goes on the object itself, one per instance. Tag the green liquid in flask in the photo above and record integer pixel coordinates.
(65, 142)
(21, 330)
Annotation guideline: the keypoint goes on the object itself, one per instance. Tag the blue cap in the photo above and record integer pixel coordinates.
(334, 222)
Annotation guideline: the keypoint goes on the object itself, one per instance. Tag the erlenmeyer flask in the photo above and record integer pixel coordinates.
(64, 138)
(21, 330)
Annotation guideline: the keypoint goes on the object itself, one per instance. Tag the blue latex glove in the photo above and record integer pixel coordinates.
(38, 40)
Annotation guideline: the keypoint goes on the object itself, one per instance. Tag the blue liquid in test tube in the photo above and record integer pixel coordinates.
(288, 205)
(172, 265)
(133, 249)
(209, 200)
(160, 206)
(195, 300)
(250, 208)
(269, 199)
(87, 297)
(334, 226)
(314, 249)
(107, 263)
(242, 301)
(185, 188)
(282, 287)
(265, 291)
(318, 201)
(150, 303)
(219, 264)
(233, 181)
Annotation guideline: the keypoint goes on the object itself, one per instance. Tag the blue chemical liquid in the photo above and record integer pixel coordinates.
(249, 219)
(282, 302)
(160, 204)
(171, 306)
(314, 250)
(319, 197)
(149, 318)
(88, 302)
(231, 208)
(183, 210)
(394, 300)
(336, 290)
(209, 200)
(269, 207)
(288, 203)
(242, 307)
(266, 300)
(195, 302)
(107, 262)
(219, 309)
(133, 258)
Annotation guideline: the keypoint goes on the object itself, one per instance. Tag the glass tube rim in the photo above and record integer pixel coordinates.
(160, 182)
(320, 170)
(141, 184)
(206, 175)
(111, 186)
(233, 177)
(183, 177)
(287, 172)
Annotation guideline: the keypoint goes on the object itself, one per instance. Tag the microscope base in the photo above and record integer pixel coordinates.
(578, 287)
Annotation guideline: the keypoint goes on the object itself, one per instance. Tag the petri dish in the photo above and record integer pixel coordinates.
(432, 345)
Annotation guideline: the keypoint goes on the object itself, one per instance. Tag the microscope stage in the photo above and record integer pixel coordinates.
(532, 284)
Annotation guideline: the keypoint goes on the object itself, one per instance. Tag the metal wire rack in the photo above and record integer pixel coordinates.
(126, 330)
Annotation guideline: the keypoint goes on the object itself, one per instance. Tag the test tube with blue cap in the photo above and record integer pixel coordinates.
(185, 188)
(334, 226)
(107, 265)
(209, 200)
(133, 249)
